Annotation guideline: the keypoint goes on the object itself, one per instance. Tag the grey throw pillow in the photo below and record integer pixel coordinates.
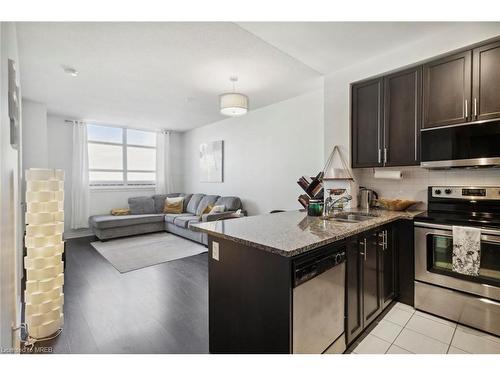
(141, 205)
(193, 203)
(207, 200)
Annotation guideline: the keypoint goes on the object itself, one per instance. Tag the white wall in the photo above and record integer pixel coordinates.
(10, 205)
(59, 145)
(35, 153)
(59, 154)
(265, 152)
(337, 108)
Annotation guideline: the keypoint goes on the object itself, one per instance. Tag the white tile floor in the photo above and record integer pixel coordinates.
(403, 330)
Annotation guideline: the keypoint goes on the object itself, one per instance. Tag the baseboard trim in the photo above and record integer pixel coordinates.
(77, 233)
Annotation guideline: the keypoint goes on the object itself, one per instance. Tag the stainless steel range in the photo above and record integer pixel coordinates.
(471, 300)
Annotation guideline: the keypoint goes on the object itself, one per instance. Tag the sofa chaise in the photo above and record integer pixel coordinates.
(147, 216)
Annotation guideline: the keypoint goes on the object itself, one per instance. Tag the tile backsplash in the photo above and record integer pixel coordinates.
(415, 180)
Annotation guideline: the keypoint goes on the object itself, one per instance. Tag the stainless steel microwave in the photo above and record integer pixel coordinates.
(470, 145)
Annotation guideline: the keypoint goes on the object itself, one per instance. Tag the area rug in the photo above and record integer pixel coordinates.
(132, 253)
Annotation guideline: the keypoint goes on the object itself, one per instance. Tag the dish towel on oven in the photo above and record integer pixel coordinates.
(466, 250)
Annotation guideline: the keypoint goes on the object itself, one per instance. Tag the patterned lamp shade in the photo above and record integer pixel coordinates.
(43, 262)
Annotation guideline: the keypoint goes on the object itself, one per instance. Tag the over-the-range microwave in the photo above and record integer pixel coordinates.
(468, 145)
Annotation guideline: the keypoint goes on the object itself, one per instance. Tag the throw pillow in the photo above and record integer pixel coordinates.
(207, 209)
(141, 205)
(120, 211)
(217, 209)
(173, 205)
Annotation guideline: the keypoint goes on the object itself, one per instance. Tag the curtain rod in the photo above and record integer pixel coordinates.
(118, 126)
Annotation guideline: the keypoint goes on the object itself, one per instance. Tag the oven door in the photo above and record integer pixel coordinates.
(433, 261)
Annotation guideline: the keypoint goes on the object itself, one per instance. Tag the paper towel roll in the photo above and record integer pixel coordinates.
(390, 175)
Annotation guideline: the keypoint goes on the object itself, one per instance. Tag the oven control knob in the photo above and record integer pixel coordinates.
(437, 191)
(448, 191)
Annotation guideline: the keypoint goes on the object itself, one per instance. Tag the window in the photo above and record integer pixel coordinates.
(121, 157)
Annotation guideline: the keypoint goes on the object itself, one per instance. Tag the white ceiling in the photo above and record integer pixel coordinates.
(169, 75)
(158, 75)
(331, 46)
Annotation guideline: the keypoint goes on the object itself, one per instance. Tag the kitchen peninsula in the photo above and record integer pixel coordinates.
(261, 295)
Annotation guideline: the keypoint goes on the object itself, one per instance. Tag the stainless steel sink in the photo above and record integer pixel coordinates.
(352, 217)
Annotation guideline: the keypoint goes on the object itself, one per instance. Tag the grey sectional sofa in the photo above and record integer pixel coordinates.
(147, 216)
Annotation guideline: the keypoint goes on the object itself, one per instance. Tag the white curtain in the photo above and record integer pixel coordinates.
(163, 166)
(80, 177)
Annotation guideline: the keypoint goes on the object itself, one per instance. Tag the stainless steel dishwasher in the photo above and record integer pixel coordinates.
(318, 302)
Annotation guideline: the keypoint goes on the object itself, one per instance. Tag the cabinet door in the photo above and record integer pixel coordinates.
(402, 112)
(354, 290)
(366, 124)
(387, 248)
(447, 90)
(372, 298)
(486, 82)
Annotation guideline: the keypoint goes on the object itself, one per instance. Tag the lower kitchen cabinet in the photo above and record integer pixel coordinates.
(387, 241)
(371, 275)
(370, 279)
(354, 290)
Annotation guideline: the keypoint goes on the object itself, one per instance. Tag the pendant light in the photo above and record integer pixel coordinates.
(233, 104)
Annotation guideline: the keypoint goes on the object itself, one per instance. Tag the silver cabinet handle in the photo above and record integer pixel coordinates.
(385, 155)
(475, 107)
(379, 156)
(384, 239)
(466, 109)
(364, 245)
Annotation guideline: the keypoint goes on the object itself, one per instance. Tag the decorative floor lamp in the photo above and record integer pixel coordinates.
(43, 262)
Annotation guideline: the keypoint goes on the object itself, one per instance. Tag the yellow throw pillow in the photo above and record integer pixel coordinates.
(120, 211)
(207, 209)
(173, 205)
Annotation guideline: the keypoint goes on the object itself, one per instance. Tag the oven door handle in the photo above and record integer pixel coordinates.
(494, 239)
(449, 228)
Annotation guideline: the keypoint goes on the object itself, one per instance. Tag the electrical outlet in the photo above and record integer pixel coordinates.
(215, 250)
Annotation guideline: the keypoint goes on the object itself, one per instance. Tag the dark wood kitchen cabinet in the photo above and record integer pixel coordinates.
(370, 279)
(354, 290)
(386, 117)
(387, 241)
(447, 90)
(402, 118)
(486, 82)
(366, 120)
(371, 268)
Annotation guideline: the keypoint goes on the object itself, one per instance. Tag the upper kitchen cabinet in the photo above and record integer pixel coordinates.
(447, 90)
(386, 117)
(402, 116)
(486, 82)
(367, 98)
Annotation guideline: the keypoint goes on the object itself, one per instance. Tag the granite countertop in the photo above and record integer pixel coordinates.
(293, 232)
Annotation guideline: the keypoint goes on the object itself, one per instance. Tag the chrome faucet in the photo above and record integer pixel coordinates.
(335, 204)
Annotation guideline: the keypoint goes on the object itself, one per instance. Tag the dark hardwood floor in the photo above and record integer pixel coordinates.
(158, 309)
